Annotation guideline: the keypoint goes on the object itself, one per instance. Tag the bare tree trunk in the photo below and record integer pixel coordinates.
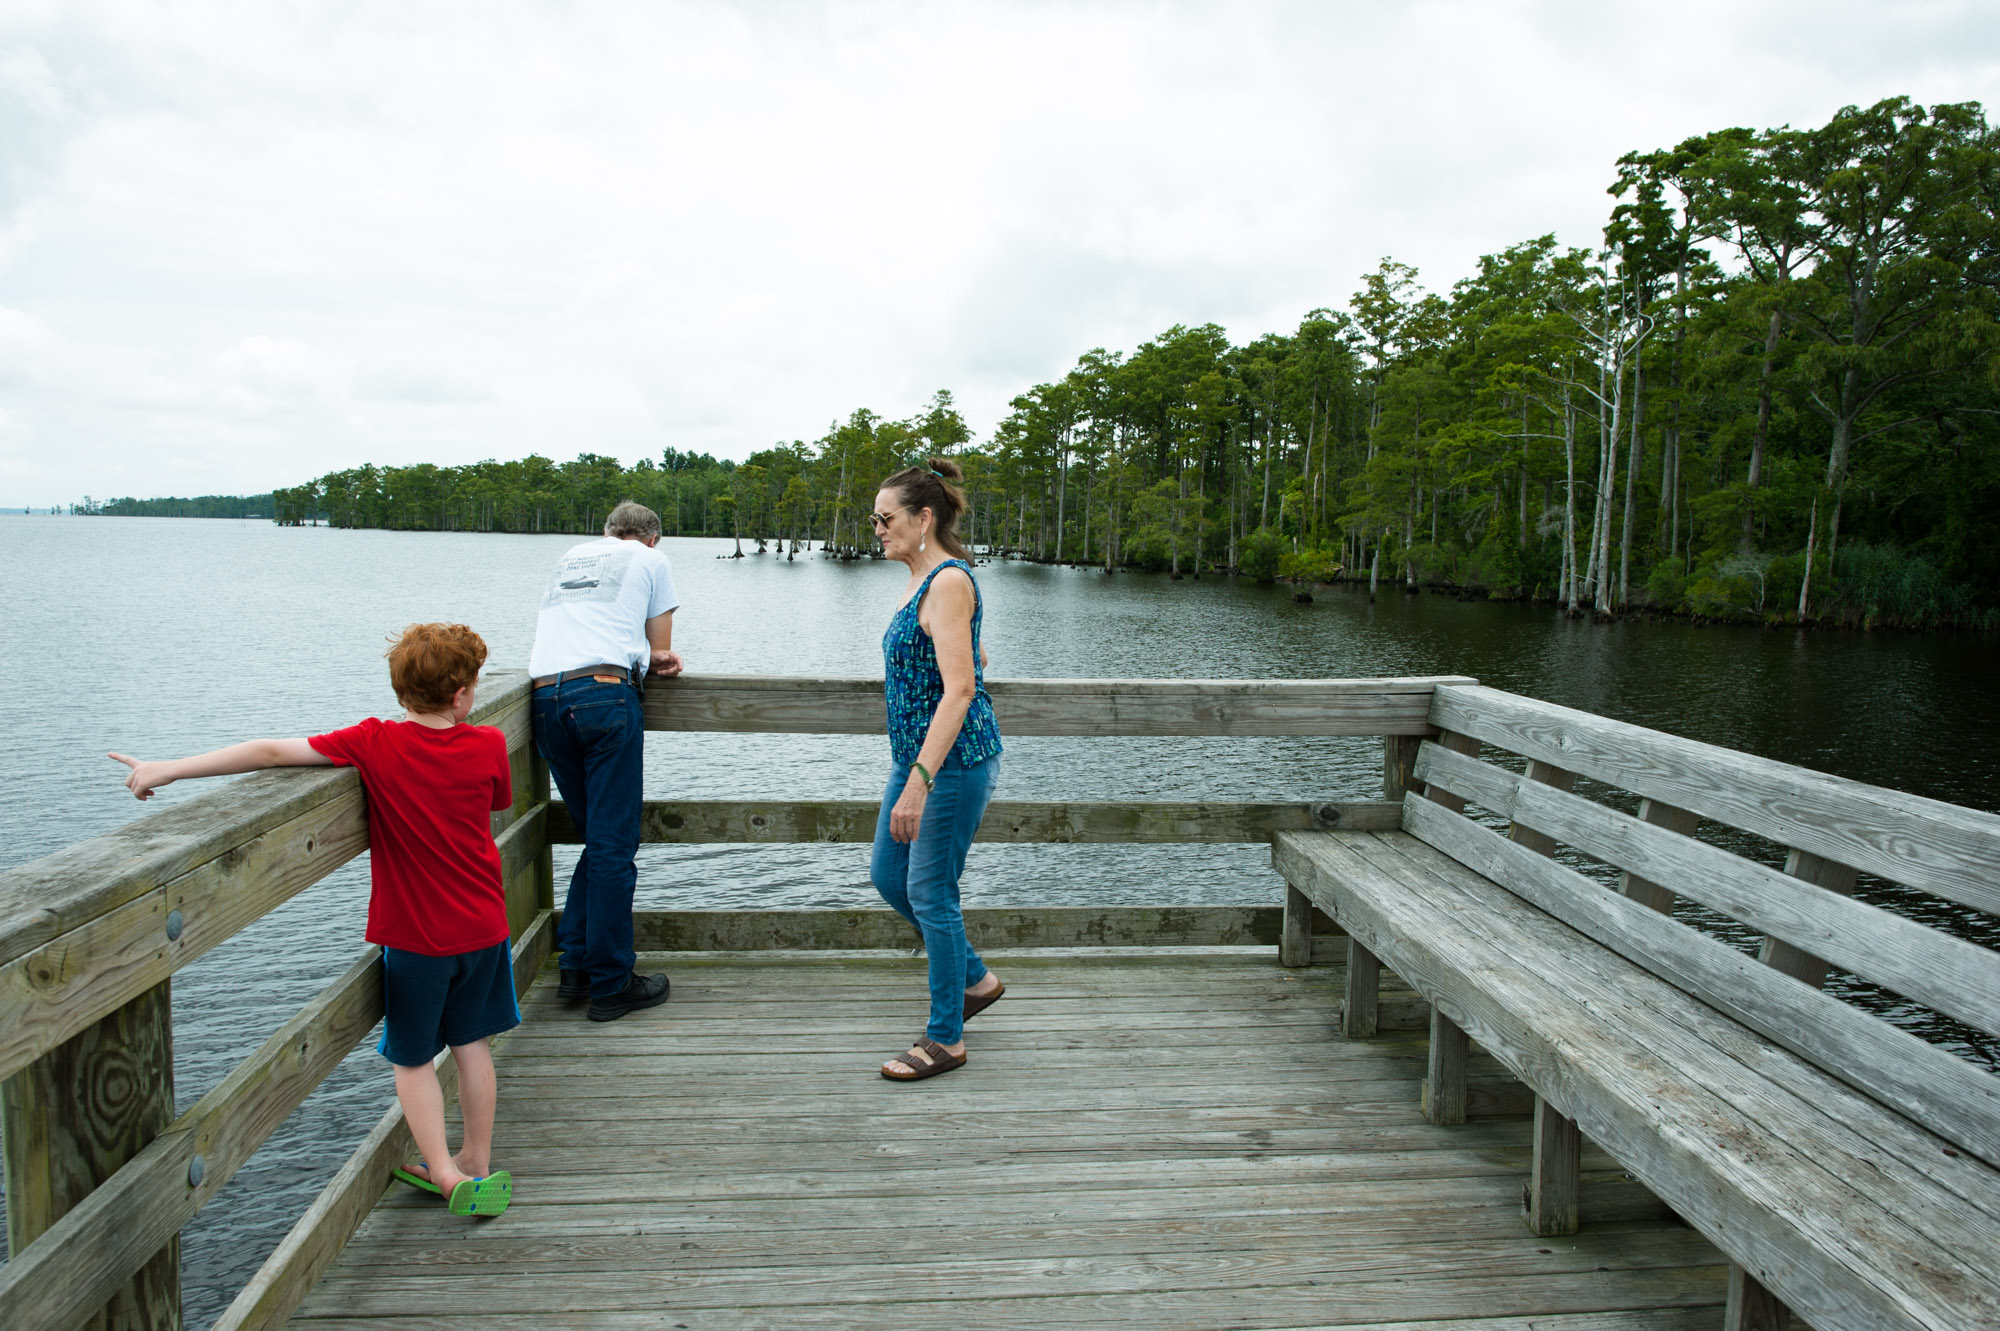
(1569, 578)
(1763, 426)
(1805, 584)
(1631, 477)
(1062, 491)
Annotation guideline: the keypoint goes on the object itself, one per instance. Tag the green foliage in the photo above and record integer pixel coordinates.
(1263, 551)
(1319, 564)
(1667, 585)
(1876, 585)
(204, 506)
(1730, 590)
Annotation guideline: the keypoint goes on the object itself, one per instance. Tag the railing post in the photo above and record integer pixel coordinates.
(1399, 758)
(1801, 965)
(1651, 894)
(76, 1114)
(538, 781)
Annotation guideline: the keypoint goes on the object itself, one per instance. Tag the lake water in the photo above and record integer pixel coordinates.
(159, 637)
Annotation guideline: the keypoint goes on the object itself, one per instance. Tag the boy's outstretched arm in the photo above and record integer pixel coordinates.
(253, 755)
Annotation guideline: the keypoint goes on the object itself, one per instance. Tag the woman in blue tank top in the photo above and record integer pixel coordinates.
(944, 752)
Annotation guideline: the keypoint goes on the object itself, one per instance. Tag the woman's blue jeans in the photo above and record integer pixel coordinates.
(920, 880)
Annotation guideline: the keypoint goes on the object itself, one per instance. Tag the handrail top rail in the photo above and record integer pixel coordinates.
(1048, 684)
(853, 705)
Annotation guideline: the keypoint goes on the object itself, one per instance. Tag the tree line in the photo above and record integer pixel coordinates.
(1771, 393)
(200, 506)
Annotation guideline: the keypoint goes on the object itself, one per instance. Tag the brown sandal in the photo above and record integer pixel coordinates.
(977, 1003)
(939, 1060)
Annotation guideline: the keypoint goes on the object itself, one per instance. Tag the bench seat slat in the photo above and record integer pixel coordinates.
(1956, 977)
(1833, 1124)
(1956, 1100)
(1523, 997)
(1927, 844)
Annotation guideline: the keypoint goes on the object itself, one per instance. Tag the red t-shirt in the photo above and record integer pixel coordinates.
(433, 868)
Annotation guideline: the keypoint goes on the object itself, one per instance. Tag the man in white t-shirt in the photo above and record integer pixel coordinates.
(607, 621)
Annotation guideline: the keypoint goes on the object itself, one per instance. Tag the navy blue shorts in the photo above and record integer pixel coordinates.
(431, 1002)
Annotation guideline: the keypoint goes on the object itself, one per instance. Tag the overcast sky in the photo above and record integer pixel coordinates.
(244, 244)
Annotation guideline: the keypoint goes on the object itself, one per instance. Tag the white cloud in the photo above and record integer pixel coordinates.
(243, 245)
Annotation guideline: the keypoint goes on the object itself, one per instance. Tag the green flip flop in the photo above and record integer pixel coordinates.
(483, 1196)
(406, 1174)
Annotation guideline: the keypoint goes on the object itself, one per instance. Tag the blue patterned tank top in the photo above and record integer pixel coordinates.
(915, 688)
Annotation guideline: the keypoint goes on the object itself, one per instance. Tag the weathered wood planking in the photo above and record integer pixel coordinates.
(822, 1212)
(870, 928)
(62, 1278)
(683, 822)
(1530, 991)
(853, 706)
(1937, 847)
(1947, 973)
(287, 1275)
(1928, 1084)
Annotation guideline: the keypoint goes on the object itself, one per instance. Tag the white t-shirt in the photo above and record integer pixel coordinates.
(596, 608)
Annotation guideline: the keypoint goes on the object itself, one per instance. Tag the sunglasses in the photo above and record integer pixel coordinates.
(882, 519)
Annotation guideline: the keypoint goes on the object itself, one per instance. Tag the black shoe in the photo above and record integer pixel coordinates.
(573, 986)
(641, 991)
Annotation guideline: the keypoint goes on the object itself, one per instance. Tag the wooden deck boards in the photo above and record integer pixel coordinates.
(1179, 1139)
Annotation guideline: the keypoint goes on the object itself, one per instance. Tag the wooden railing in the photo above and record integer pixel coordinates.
(101, 1175)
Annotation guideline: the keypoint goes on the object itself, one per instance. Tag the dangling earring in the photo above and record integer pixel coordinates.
(920, 542)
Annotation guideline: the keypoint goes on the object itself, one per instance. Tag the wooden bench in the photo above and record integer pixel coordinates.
(1846, 1167)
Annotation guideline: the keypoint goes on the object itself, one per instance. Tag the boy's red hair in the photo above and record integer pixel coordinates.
(431, 662)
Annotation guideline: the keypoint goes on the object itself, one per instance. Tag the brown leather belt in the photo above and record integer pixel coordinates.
(625, 675)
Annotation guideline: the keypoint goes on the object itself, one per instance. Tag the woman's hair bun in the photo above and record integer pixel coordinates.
(946, 468)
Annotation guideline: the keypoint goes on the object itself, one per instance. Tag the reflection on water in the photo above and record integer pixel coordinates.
(158, 637)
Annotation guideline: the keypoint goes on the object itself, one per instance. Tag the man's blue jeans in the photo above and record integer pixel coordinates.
(920, 879)
(593, 737)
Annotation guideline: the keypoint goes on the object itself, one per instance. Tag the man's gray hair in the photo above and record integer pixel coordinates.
(632, 519)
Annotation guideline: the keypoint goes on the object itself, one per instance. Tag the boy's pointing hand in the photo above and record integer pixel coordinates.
(144, 778)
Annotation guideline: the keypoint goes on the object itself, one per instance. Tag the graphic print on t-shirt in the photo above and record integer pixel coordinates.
(589, 575)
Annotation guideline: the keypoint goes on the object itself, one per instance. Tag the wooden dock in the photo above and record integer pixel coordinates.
(1170, 1137)
(1451, 1082)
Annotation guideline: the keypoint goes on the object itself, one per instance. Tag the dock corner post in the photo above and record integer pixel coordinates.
(1295, 943)
(1444, 1088)
(1751, 1307)
(1361, 1013)
(1399, 759)
(73, 1117)
(1553, 1184)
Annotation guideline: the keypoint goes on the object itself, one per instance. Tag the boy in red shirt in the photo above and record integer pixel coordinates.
(436, 905)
